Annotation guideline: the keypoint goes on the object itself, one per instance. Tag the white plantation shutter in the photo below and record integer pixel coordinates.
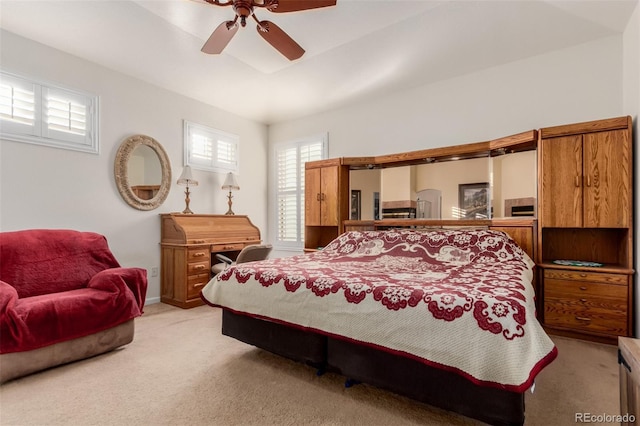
(18, 106)
(45, 114)
(290, 159)
(210, 149)
(67, 116)
(287, 183)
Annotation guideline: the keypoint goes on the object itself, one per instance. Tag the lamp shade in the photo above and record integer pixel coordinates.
(186, 178)
(230, 182)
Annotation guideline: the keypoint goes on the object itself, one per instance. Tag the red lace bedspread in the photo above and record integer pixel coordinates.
(461, 300)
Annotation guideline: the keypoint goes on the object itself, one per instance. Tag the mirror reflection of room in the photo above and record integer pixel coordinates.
(434, 190)
(144, 172)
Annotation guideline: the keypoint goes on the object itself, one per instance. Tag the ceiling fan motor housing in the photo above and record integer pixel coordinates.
(243, 9)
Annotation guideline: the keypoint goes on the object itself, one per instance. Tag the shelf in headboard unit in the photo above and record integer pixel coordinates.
(522, 230)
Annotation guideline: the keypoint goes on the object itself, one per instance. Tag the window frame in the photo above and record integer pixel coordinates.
(216, 165)
(39, 133)
(297, 245)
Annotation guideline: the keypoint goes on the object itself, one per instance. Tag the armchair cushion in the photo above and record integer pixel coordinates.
(58, 285)
(44, 261)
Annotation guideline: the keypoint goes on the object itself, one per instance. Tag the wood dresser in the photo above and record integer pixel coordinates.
(188, 242)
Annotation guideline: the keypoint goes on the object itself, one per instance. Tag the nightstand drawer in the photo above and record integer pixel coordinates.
(583, 289)
(569, 313)
(561, 274)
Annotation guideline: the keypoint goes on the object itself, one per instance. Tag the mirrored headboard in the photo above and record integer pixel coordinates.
(482, 180)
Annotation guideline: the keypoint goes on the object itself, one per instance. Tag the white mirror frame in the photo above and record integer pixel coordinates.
(121, 172)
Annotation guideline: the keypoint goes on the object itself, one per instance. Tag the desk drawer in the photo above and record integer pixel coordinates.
(228, 247)
(195, 283)
(198, 254)
(198, 268)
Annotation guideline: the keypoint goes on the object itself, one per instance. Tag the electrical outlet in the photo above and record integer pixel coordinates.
(154, 271)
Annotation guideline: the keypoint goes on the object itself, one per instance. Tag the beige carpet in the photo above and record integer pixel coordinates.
(180, 370)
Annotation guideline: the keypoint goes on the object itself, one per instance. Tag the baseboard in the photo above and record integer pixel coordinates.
(152, 300)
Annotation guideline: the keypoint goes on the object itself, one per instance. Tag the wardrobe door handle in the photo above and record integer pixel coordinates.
(577, 181)
(588, 180)
(583, 318)
(322, 197)
(318, 196)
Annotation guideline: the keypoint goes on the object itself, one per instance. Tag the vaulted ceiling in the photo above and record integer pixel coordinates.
(355, 51)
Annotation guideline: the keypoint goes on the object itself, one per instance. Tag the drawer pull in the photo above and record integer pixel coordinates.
(583, 300)
(199, 285)
(199, 267)
(198, 241)
(583, 275)
(198, 254)
(583, 288)
(583, 318)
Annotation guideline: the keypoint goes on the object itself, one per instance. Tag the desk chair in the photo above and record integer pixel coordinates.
(247, 254)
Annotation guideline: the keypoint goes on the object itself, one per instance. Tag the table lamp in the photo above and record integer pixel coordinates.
(187, 179)
(231, 184)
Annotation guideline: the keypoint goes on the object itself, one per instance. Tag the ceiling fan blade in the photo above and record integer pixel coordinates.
(297, 5)
(220, 37)
(280, 40)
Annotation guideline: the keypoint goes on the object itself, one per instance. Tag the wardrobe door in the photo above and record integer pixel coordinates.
(561, 182)
(607, 179)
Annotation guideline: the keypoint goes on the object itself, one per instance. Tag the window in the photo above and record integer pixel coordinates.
(289, 198)
(210, 149)
(46, 114)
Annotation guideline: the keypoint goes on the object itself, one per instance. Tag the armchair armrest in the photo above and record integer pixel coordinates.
(10, 323)
(132, 280)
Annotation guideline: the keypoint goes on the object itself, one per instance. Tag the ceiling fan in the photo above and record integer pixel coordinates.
(269, 31)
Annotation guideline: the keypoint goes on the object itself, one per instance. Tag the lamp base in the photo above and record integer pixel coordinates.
(187, 210)
(229, 212)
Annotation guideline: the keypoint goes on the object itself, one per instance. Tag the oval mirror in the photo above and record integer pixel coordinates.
(142, 172)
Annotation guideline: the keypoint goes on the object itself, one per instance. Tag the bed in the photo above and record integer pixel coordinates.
(446, 317)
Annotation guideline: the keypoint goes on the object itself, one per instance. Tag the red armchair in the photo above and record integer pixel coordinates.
(63, 297)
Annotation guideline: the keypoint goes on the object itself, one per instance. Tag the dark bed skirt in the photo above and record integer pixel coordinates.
(398, 374)
(295, 344)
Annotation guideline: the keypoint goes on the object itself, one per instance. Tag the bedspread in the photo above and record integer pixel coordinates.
(460, 300)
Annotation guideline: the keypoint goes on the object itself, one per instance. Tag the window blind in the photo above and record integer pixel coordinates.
(290, 176)
(210, 149)
(46, 114)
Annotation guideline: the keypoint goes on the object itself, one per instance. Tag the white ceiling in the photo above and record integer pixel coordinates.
(355, 51)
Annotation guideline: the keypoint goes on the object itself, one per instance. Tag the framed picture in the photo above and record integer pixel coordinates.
(473, 200)
(355, 204)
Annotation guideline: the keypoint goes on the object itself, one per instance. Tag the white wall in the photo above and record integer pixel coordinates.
(631, 106)
(44, 187)
(576, 84)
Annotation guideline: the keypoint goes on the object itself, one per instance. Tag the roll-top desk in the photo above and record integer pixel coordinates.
(188, 242)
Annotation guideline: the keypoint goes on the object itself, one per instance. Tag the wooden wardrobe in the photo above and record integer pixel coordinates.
(585, 213)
